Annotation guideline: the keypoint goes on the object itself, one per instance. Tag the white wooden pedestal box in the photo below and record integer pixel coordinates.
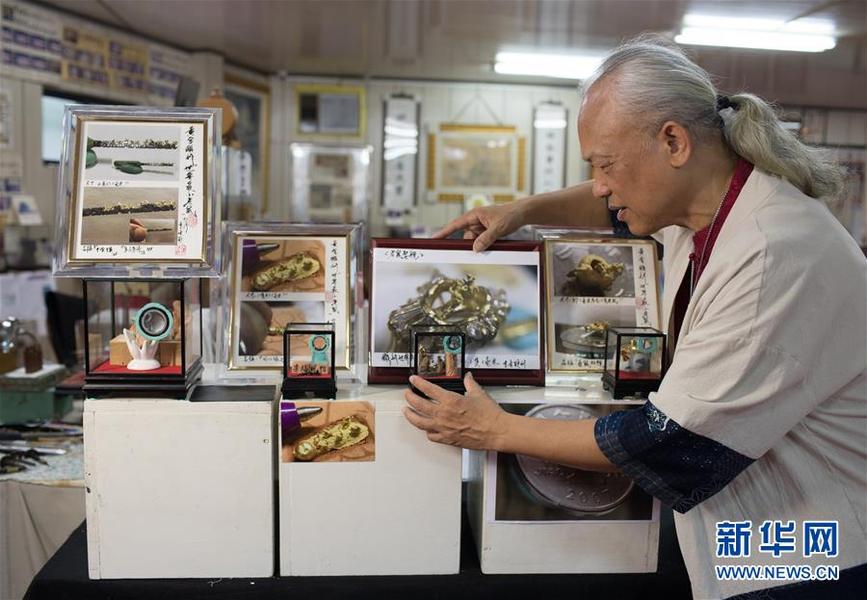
(179, 489)
(516, 536)
(397, 514)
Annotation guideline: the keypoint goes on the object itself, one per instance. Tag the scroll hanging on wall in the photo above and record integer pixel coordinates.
(549, 147)
(399, 154)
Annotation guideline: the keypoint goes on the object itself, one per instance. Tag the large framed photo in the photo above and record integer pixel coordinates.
(280, 274)
(332, 111)
(476, 159)
(593, 284)
(139, 190)
(494, 298)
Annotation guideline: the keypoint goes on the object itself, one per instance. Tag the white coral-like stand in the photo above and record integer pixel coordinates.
(142, 357)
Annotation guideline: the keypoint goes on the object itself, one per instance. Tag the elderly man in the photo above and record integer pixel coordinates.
(760, 420)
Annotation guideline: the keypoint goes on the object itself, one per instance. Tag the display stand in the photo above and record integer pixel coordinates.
(180, 489)
(388, 506)
(516, 531)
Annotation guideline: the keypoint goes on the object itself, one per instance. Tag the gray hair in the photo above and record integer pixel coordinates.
(657, 82)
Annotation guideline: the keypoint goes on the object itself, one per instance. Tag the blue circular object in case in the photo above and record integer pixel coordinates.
(154, 322)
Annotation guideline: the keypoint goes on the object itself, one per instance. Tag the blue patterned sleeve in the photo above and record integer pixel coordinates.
(679, 467)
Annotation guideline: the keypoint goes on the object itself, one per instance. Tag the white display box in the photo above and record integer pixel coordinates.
(609, 544)
(398, 514)
(179, 489)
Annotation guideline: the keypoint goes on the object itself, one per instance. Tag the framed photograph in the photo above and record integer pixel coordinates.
(252, 99)
(494, 298)
(594, 283)
(331, 184)
(139, 190)
(330, 110)
(473, 159)
(279, 274)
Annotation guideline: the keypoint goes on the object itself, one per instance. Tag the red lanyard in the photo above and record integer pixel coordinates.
(706, 238)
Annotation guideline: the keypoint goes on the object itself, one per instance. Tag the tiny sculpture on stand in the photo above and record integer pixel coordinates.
(153, 323)
(635, 361)
(143, 357)
(308, 361)
(438, 356)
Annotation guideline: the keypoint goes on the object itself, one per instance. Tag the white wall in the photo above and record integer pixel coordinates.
(441, 102)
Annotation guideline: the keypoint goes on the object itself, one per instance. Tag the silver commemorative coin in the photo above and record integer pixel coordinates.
(574, 490)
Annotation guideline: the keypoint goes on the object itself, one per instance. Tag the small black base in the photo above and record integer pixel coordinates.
(296, 389)
(452, 386)
(139, 386)
(626, 387)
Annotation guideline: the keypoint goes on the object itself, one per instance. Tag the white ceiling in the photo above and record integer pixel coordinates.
(457, 39)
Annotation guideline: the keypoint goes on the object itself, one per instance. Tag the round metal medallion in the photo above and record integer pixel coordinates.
(574, 490)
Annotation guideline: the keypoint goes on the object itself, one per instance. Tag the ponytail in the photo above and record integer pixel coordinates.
(753, 130)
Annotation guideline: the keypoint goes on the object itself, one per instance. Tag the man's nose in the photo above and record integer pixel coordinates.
(600, 190)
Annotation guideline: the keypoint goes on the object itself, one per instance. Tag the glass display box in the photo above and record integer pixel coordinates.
(635, 361)
(439, 356)
(143, 337)
(281, 273)
(309, 360)
(331, 184)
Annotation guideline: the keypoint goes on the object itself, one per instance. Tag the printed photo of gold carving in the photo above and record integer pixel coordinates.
(587, 339)
(283, 266)
(132, 152)
(262, 325)
(530, 489)
(594, 271)
(129, 215)
(495, 306)
(595, 284)
(312, 431)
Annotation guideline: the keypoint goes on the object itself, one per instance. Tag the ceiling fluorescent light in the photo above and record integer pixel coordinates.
(564, 66)
(763, 34)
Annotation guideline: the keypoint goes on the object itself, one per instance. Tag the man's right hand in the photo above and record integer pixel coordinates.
(486, 224)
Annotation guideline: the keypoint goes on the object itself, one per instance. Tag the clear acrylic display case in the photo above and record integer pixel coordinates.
(635, 361)
(331, 183)
(139, 193)
(439, 356)
(308, 360)
(142, 336)
(260, 293)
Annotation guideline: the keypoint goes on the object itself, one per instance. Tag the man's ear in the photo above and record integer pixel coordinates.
(676, 143)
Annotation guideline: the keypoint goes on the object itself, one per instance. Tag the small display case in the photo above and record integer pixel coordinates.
(308, 361)
(635, 361)
(438, 356)
(143, 337)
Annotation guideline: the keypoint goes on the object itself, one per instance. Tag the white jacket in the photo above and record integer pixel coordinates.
(771, 363)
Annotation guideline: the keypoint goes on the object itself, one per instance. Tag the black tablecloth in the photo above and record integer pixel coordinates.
(65, 577)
